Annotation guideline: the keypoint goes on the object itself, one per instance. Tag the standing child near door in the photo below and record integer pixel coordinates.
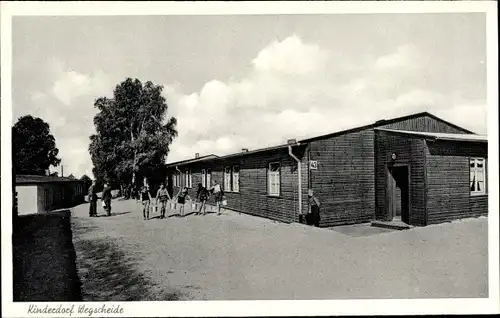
(314, 216)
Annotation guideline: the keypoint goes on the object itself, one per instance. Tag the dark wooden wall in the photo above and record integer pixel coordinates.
(350, 180)
(253, 196)
(425, 124)
(448, 196)
(409, 151)
(344, 181)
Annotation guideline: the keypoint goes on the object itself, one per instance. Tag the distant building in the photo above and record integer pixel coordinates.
(40, 194)
(417, 169)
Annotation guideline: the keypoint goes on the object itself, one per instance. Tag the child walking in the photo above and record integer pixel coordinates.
(182, 196)
(218, 194)
(164, 197)
(146, 200)
(202, 197)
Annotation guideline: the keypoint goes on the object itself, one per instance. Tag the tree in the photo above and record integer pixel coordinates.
(87, 182)
(54, 174)
(133, 132)
(33, 146)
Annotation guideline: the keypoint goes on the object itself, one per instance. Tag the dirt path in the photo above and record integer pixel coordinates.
(235, 256)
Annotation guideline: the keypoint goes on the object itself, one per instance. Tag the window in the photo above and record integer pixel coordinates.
(236, 179)
(208, 180)
(232, 179)
(227, 178)
(273, 179)
(203, 178)
(188, 181)
(477, 176)
(177, 179)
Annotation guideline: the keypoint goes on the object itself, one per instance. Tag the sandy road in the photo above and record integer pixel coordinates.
(236, 256)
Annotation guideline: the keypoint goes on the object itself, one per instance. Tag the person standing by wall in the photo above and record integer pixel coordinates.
(314, 216)
(106, 198)
(92, 200)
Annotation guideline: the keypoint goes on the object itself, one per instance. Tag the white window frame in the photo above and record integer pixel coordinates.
(274, 180)
(204, 178)
(474, 173)
(188, 180)
(208, 177)
(177, 179)
(227, 179)
(235, 182)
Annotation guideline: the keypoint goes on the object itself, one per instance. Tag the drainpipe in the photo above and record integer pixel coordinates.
(180, 173)
(299, 175)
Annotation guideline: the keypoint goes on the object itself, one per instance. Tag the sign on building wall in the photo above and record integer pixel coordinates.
(313, 165)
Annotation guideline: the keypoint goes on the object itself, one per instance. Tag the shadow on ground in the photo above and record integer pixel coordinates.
(112, 214)
(44, 267)
(107, 274)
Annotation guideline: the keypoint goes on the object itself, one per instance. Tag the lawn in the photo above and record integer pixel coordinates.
(241, 257)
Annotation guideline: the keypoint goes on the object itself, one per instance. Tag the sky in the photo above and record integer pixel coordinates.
(250, 81)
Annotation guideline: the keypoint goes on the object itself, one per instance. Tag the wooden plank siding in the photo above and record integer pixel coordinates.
(409, 151)
(448, 196)
(424, 124)
(253, 196)
(350, 180)
(345, 177)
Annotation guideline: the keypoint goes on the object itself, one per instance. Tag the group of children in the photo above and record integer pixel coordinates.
(163, 197)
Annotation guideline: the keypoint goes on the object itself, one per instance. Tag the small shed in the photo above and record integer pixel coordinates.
(40, 194)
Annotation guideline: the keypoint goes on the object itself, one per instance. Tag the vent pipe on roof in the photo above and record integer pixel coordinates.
(197, 155)
(244, 150)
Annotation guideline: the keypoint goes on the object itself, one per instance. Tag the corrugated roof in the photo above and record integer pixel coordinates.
(23, 178)
(438, 136)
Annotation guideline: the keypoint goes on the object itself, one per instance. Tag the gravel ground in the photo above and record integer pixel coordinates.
(241, 257)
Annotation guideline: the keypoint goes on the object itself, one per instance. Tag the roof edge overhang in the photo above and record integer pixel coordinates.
(432, 137)
(238, 154)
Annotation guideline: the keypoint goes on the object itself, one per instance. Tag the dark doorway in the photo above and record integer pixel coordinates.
(398, 194)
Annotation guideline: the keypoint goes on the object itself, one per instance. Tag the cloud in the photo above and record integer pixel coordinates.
(296, 89)
(290, 56)
(67, 106)
(72, 85)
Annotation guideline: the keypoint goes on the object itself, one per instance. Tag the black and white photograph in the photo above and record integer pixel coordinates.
(182, 159)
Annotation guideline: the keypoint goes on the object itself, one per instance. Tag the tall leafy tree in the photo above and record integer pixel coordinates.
(133, 132)
(87, 182)
(33, 146)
